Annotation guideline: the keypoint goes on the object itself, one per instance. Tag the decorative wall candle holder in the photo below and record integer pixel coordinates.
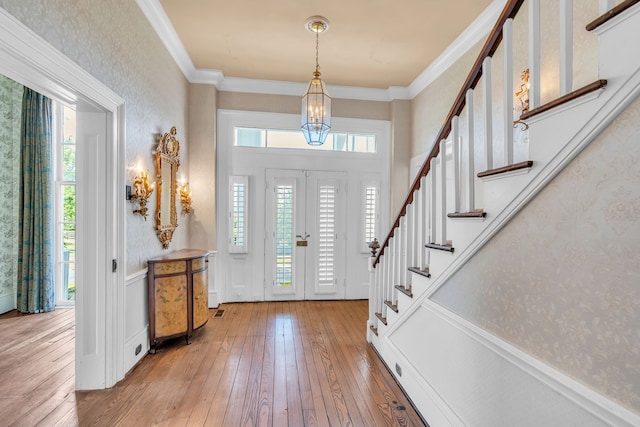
(141, 192)
(185, 198)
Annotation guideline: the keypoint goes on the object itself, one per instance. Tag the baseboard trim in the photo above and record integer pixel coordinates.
(131, 359)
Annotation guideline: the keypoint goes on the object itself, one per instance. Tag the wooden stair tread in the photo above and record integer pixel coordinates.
(424, 272)
(446, 248)
(374, 329)
(597, 85)
(381, 318)
(391, 305)
(505, 169)
(406, 291)
(610, 14)
(478, 213)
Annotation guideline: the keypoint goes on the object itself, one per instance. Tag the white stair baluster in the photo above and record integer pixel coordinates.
(373, 294)
(433, 211)
(507, 40)
(455, 157)
(389, 284)
(418, 215)
(443, 194)
(470, 153)
(534, 54)
(410, 238)
(426, 220)
(566, 46)
(407, 246)
(605, 6)
(488, 113)
(403, 251)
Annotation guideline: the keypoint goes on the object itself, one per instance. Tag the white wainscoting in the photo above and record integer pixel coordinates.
(136, 319)
(467, 377)
(7, 302)
(214, 298)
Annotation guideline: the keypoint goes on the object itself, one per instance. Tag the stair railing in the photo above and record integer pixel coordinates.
(422, 219)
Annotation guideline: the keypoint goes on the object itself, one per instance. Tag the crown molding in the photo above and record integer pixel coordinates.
(160, 22)
(275, 87)
(475, 32)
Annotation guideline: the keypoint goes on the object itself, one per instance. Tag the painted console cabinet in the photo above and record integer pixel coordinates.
(178, 295)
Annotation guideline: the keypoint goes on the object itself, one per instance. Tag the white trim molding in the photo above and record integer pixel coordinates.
(7, 302)
(444, 378)
(160, 22)
(31, 61)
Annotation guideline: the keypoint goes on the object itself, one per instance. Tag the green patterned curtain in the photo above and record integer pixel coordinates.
(36, 289)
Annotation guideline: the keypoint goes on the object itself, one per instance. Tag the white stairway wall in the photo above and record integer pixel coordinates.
(458, 374)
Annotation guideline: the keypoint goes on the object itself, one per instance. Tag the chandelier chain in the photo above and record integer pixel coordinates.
(317, 45)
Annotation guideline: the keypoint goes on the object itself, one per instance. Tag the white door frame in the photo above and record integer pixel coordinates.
(240, 276)
(31, 61)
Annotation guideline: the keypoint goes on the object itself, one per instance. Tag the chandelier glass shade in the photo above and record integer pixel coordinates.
(316, 102)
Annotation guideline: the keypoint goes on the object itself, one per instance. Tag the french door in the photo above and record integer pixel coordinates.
(305, 235)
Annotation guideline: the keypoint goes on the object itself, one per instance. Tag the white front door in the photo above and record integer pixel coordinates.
(305, 235)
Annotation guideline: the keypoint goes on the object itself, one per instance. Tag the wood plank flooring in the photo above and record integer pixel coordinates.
(261, 364)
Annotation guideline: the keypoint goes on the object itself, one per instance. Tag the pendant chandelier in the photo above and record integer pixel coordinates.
(316, 102)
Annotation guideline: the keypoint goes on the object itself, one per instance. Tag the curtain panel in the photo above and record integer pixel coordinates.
(36, 289)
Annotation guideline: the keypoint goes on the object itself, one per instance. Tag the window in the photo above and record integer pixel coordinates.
(238, 232)
(65, 204)
(284, 239)
(370, 214)
(326, 234)
(280, 138)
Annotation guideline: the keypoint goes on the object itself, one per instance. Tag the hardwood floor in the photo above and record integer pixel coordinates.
(261, 364)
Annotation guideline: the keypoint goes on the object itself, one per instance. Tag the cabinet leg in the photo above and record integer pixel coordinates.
(188, 340)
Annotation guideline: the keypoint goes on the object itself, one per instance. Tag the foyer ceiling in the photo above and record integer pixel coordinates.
(370, 43)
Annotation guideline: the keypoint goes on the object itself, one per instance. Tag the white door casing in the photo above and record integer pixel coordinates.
(241, 276)
(31, 61)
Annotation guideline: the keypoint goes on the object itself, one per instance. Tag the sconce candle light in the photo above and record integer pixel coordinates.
(141, 192)
(185, 197)
(522, 95)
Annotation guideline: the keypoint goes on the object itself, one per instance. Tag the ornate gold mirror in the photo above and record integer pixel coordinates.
(167, 152)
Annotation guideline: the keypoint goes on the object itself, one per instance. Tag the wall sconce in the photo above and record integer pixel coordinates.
(141, 192)
(522, 98)
(185, 197)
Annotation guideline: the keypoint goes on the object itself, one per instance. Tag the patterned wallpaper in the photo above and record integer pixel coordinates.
(562, 279)
(10, 112)
(114, 42)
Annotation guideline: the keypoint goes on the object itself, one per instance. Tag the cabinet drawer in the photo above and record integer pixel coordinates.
(162, 268)
(198, 263)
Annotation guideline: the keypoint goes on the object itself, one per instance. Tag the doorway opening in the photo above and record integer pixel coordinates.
(100, 235)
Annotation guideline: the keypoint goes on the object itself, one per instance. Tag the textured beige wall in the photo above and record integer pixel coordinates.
(202, 165)
(562, 279)
(400, 155)
(430, 107)
(351, 108)
(114, 42)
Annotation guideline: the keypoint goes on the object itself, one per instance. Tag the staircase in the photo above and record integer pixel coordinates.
(492, 156)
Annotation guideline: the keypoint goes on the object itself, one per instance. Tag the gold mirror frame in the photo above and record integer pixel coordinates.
(167, 153)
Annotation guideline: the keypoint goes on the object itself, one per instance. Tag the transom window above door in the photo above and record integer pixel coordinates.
(283, 138)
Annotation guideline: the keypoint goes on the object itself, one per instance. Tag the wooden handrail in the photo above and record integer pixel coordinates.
(611, 14)
(490, 46)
